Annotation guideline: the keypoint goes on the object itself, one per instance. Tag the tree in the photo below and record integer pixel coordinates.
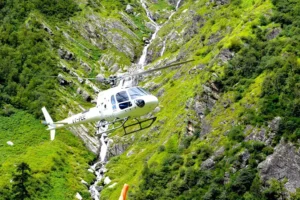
(21, 179)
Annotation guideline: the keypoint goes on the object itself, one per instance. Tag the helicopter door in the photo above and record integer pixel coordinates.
(123, 100)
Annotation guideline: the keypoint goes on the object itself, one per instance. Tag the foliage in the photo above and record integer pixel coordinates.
(20, 181)
(55, 165)
(277, 57)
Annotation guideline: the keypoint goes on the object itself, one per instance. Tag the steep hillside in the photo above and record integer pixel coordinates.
(228, 122)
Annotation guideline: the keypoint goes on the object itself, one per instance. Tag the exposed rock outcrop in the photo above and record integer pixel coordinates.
(273, 33)
(65, 54)
(262, 134)
(283, 163)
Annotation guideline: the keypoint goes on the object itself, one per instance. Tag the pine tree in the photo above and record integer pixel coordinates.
(21, 179)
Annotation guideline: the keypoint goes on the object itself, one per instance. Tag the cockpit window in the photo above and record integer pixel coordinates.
(136, 92)
(122, 96)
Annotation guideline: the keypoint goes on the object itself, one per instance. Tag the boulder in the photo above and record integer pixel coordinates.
(225, 55)
(86, 96)
(62, 81)
(65, 54)
(78, 196)
(84, 182)
(129, 9)
(273, 33)
(283, 163)
(99, 188)
(10, 143)
(85, 66)
(47, 29)
(107, 180)
(207, 164)
(161, 92)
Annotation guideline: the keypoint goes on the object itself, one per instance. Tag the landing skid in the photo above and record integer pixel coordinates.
(125, 127)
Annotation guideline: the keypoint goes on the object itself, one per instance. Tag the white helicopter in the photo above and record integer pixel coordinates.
(115, 106)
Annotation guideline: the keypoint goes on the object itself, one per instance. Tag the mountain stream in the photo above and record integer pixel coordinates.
(99, 167)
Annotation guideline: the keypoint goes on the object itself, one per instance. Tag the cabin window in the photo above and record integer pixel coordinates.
(123, 100)
(136, 92)
(122, 97)
(113, 102)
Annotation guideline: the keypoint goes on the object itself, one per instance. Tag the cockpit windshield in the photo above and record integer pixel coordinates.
(137, 92)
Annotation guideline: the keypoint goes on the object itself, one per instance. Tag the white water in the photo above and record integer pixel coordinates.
(142, 60)
(99, 171)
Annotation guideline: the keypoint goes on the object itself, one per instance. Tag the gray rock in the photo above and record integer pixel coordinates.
(219, 152)
(214, 38)
(46, 28)
(156, 110)
(86, 96)
(78, 91)
(200, 108)
(207, 164)
(273, 33)
(257, 135)
(84, 182)
(244, 156)
(206, 89)
(64, 54)
(225, 55)
(150, 26)
(117, 149)
(100, 78)
(274, 124)
(189, 103)
(226, 178)
(283, 163)
(130, 153)
(99, 188)
(129, 9)
(115, 68)
(86, 67)
(220, 2)
(160, 92)
(197, 69)
(205, 127)
(62, 81)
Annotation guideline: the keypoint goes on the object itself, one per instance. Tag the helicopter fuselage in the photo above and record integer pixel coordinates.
(114, 103)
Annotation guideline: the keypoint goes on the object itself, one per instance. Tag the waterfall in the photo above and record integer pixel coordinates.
(142, 60)
(99, 167)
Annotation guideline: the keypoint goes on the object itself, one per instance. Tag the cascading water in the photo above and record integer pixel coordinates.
(99, 167)
(142, 60)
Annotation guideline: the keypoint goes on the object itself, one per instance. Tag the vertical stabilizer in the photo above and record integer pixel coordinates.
(49, 122)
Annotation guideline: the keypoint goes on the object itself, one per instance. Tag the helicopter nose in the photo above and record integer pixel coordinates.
(152, 102)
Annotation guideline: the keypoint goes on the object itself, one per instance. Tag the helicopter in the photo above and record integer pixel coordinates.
(115, 106)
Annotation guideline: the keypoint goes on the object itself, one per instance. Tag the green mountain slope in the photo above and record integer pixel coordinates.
(220, 117)
(57, 167)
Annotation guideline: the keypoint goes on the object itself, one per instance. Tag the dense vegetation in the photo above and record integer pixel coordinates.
(26, 54)
(279, 59)
(56, 167)
(33, 167)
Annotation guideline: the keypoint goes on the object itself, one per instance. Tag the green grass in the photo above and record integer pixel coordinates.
(57, 166)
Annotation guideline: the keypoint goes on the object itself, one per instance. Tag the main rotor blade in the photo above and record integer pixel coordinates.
(159, 68)
(73, 77)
